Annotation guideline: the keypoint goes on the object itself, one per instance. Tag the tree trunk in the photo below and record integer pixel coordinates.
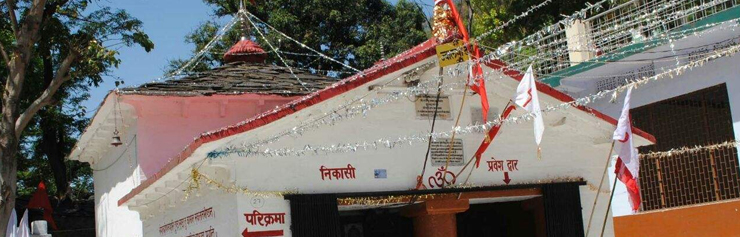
(52, 148)
(8, 136)
(8, 169)
(26, 35)
(9, 143)
(52, 135)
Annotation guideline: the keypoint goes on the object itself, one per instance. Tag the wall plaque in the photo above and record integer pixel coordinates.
(476, 115)
(441, 148)
(425, 107)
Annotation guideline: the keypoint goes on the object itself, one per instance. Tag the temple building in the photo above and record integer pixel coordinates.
(253, 149)
(270, 159)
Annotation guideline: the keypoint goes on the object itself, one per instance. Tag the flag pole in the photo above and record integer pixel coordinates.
(608, 206)
(452, 139)
(598, 191)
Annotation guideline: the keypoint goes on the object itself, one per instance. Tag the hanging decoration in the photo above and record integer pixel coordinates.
(385, 200)
(249, 14)
(556, 28)
(361, 107)
(492, 132)
(533, 39)
(478, 128)
(443, 26)
(507, 49)
(197, 178)
(475, 77)
(406, 199)
(606, 39)
(243, 12)
(529, 11)
(477, 83)
(205, 49)
(116, 139)
(689, 150)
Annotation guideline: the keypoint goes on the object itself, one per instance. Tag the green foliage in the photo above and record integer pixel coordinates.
(95, 34)
(34, 165)
(351, 31)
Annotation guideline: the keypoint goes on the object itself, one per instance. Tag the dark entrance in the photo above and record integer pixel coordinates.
(380, 222)
(502, 219)
(554, 210)
(518, 218)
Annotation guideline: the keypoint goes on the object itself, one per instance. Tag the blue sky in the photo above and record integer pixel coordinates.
(167, 22)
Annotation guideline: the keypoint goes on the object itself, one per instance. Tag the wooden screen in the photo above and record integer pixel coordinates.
(698, 118)
(562, 203)
(314, 215)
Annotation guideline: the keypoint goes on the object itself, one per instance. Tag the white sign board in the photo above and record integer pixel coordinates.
(425, 105)
(441, 152)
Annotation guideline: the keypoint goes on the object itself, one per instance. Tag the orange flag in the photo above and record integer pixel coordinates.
(475, 76)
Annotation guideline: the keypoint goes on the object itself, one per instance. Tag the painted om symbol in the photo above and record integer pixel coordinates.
(440, 178)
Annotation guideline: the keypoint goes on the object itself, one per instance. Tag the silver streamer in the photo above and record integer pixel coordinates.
(390, 143)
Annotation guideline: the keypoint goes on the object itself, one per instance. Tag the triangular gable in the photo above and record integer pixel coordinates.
(397, 63)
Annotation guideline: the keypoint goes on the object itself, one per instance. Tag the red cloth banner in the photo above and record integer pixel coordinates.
(40, 199)
(491, 135)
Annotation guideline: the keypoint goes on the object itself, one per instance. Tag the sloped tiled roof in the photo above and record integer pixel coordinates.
(238, 78)
(245, 51)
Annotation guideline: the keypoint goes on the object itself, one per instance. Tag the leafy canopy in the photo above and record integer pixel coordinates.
(95, 34)
(492, 13)
(356, 32)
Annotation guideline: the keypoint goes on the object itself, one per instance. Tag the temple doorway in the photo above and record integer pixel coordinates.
(501, 219)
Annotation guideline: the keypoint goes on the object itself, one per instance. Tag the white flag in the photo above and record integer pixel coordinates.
(627, 168)
(23, 229)
(12, 222)
(623, 135)
(527, 98)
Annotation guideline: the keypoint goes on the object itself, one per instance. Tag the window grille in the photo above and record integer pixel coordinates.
(698, 118)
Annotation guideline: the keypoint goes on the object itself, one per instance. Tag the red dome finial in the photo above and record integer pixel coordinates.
(245, 51)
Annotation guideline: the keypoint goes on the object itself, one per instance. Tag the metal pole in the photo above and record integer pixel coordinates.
(420, 182)
(598, 191)
(606, 216)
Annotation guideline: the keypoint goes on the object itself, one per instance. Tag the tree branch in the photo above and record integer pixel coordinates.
(29, 31)
(5, 55)
(61, 76)
(13, 18)
(52, 8)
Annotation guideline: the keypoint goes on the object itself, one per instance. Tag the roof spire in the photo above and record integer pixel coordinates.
(243, 16)
(245, 50)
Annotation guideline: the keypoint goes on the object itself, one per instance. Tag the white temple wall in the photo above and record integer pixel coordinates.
(114, 176)
(574, 146)
(203, 212)
(263, 214)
